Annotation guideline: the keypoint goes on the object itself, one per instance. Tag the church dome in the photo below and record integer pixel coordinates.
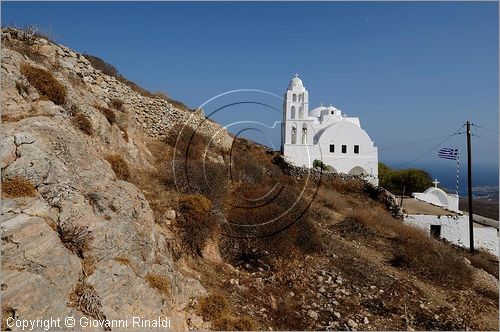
(296, 82)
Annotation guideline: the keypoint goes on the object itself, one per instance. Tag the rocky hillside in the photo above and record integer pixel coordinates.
(112, 207)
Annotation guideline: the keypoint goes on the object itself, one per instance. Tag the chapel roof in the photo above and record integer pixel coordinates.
(296, 82)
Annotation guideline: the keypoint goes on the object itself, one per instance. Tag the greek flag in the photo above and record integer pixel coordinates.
(448, 153)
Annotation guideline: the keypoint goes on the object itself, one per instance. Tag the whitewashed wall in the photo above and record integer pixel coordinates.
(456, 230)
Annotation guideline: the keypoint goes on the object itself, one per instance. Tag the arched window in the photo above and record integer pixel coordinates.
(301, 97)
(301, 112)
(294, 97)
(292, 113)
(294, 133)
(304, 134)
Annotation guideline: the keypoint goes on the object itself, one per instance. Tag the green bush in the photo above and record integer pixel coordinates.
(319, 164)
(413, 180)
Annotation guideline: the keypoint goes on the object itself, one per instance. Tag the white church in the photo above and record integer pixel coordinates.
(325, 134)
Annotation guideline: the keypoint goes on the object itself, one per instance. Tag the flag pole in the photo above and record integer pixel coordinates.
(469, 188)
(458, 169)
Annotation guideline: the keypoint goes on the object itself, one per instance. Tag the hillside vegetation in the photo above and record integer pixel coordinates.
(411, 180)
(118, 203)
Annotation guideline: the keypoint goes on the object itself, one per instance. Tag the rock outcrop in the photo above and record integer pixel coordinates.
(77, 187)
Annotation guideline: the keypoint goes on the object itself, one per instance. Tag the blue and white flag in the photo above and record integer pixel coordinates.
(448, 153)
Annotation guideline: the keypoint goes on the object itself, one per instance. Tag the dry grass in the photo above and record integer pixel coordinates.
(45, 83)
(482, 259)
(119, 166)
(213, 306)
(153, 183)
(109, 114)
(7, 312)
(161, 283)
(80, 121)
(117, 104)
(229, 323)
(89, 265)
(427, 258)
(76, 238)
(358, 224)
(195, 204)
(123, 260)
(17, 187)
(86, 299)
(25, 43)
(196, 224)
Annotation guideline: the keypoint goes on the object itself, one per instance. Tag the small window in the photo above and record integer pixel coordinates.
(332, 112)
(356, 149)
(332, 148)
(436, 231)
(344, 148)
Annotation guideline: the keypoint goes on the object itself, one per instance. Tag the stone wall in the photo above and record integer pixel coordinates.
(156, 115)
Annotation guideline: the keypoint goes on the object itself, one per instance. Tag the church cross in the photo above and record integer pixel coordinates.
(436, 182)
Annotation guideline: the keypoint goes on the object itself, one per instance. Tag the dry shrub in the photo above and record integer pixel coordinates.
(484, 260)
(122, 260)
(213, 307)
(89, 265)
(190, 142)
(76, 238)
(86, 299)
(358, 224)
(153, 183)
(159, 282)
(7, 312)
(80, 121)
(117, 104)
(45, 83)
(308, 238)
(195, 204)
(25, 43)
(204, 177)
(119, 166)
(197, 225)
(343, 185)
(331, 199)
(427, 258)
(17, 187)
(108, 113)
(101, 65)
(228, 323)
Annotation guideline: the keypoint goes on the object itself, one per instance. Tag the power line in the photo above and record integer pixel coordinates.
(486, 139)
(418, 142)
(457, 132)
(487, 129)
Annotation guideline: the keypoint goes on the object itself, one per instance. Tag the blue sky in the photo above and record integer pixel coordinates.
(410, 71)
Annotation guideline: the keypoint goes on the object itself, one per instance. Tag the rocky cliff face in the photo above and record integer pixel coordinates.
(78, 192)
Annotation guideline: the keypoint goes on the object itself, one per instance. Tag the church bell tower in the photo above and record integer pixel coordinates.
(296, 131)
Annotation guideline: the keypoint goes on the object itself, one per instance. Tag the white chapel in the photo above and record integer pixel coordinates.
(325, 134)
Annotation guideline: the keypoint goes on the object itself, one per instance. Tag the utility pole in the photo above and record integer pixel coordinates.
(469, 187)
(402, 196)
